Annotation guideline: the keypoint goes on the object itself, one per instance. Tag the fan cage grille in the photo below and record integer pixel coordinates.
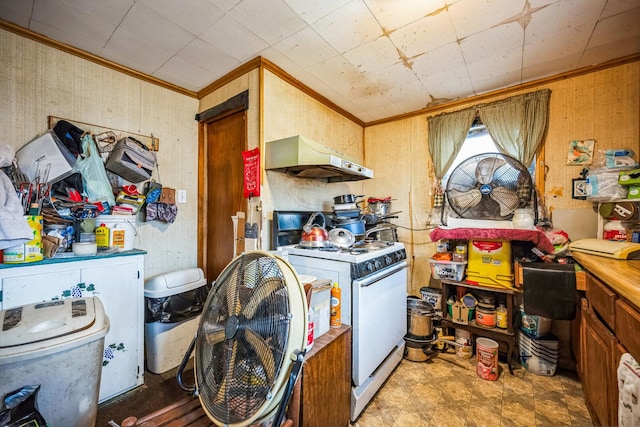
(489, 186)
(242, 338)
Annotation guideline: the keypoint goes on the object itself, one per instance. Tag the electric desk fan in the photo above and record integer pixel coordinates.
(250, 340)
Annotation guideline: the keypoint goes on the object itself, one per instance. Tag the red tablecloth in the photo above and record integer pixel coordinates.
(537, 236)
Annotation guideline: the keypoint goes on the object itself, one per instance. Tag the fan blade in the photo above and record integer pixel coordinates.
(507, 199)
(230, 364)
(265, 288)
(487, 167)
(264, 353)
(464, 199)
(233, 300)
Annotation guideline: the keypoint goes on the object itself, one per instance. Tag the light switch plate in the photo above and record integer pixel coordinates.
(182, 196)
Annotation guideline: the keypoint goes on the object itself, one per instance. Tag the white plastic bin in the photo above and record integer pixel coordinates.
(173, 302)
(59, 345)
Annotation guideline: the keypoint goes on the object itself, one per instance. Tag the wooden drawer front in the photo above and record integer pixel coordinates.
(627, 327)
(602, 299)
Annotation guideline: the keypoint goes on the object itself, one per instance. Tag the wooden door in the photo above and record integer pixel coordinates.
(225, 140)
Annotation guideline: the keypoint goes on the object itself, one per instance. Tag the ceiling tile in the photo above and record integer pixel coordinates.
(16, 11)
(311, 11)
(208, 57)
(424, 35)
(496, 67)
(147, 26)
(539, 69)
(394, 75)
(439, 61)
(225, 5)
(306, 48)
(185, 74)
(273, 23)
(392, 17)
(362, 27)
(473, 16)
(87, 25)
(233, 39)
(337, 72)
(197, 17)
(410, 96)
(608, 30)
(492, 42)
(449, 85)
(374, 55)
(605, 52)
(131, 51)
(618, 6)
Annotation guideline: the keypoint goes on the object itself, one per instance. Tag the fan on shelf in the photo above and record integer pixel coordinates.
(489, 186)
(250, 339)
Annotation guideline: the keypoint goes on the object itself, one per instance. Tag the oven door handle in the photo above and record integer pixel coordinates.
(375, 277)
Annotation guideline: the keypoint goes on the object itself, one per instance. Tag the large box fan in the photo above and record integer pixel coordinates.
(487, 187)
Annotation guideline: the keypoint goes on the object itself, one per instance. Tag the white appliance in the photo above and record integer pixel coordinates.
(374, 303)
(606, 248)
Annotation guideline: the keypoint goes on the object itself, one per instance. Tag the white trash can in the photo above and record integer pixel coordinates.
(173, 303)
(58, 345)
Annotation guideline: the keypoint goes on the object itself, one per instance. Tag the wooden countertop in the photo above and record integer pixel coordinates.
(623, 276)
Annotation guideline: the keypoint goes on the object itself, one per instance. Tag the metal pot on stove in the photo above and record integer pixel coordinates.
(314, 235)
(354, 225)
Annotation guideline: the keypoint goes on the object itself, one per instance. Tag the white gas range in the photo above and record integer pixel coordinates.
(374, 303)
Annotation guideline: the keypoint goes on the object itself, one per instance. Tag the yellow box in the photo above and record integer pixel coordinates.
(489, 263)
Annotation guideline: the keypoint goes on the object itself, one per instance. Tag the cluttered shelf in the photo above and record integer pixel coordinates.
(536, 236)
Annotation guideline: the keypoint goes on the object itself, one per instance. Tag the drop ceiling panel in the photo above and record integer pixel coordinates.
(424, 35)
(272, 20)
(348, 27)
(233, 39)
(195, 19)
(393, 16)
(371, 57)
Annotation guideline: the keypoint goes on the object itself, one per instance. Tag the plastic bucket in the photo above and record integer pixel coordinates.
(127, 222)
(487, 359)
(464, 338)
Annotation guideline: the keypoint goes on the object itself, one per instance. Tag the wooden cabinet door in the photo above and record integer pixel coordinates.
(598, 361)
(326, 385)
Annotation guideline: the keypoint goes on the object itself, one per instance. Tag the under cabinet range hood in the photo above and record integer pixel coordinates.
(305, 158)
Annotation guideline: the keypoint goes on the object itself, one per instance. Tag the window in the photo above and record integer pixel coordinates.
(478, 141)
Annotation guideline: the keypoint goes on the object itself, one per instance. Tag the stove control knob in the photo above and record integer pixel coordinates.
(369, 267)
(378, 264)
(388, 260)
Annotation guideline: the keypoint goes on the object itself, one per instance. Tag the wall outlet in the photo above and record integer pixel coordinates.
(182, 196)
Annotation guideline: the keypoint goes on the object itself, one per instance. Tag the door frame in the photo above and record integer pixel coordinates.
(229, 107)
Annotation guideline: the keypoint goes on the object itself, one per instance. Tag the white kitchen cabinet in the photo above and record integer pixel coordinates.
(119, 283)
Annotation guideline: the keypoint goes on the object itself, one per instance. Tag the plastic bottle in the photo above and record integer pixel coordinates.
(116, 237)
(336, 297)
(102, 237)
(309, 329)
(501, 315)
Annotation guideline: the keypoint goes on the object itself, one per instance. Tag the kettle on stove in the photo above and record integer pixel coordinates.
(314, 235)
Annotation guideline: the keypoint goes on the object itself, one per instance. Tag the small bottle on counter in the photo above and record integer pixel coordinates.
(102, 237)
(310, 329)
(336, 296)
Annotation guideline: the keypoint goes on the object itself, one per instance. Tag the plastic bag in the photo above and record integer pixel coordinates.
(94, 177)
(176, 308)
(7, 155)
(602, 185)
(20, 408)
(615, 159)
